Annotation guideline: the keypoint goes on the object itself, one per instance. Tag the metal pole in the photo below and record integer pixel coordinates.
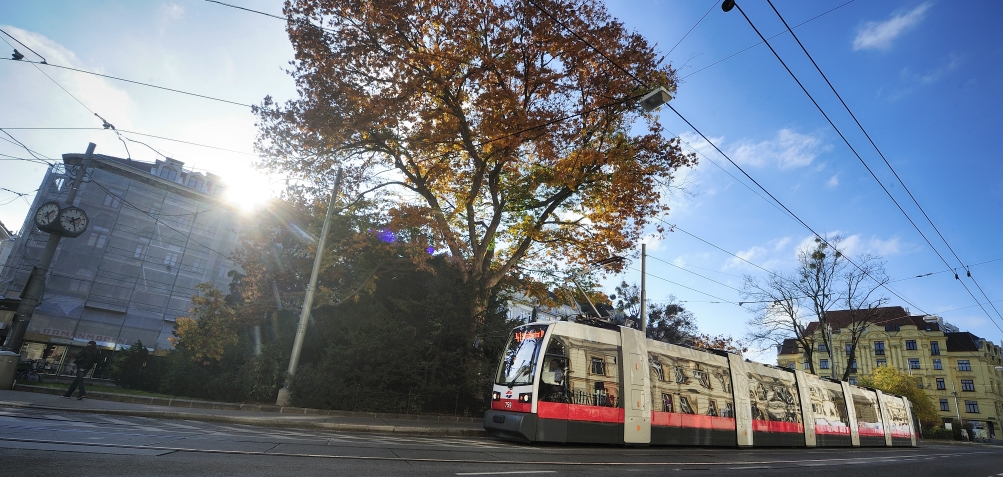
(31, 296)
(285, 395)
(644, 295)
(957, 408)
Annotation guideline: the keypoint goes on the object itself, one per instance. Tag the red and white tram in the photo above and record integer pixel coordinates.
(573, 382)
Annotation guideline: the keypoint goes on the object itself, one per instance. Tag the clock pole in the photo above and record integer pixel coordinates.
(32, 293)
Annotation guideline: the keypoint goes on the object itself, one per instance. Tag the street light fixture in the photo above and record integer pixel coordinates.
(654, 99)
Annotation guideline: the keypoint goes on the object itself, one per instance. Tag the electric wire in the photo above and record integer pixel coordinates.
(713, 4)
(161, 222)
(694, 273)
(857, 155)
(686, 287)
(883, 158)
(772, 37)
(707, 139)
(130, 81)
(13, 140)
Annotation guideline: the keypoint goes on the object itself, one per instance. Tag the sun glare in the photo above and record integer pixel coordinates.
(248, 189)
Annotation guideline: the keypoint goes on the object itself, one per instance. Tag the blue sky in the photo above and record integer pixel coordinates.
(921, 77)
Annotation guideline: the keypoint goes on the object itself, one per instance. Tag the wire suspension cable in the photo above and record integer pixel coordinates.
(857, 155)
(733, 163)
(883, 158)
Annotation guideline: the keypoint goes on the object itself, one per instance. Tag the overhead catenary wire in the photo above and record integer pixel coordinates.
(713, 3)
(887, 163)
(722, 60)
(694, 273)
(161, 222)
(131, 81)
(707, 139)
(686, 287)
(857, 155)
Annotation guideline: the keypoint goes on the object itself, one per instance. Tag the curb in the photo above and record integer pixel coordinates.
(193, 404)
(253, 421)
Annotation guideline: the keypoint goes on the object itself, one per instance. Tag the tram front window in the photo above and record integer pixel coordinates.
(518, 366)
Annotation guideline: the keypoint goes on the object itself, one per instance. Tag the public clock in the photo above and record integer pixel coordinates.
(46, 216)
(72, 221)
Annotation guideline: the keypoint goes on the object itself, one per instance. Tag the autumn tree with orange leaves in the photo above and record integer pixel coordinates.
(509, 143)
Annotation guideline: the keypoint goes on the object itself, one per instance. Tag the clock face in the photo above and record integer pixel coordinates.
(73, 221)
(46, 214)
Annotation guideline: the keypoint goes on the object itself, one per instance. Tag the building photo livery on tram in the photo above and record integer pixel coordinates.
(572, 382)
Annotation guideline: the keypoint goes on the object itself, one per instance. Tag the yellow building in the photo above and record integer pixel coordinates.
(960, 371)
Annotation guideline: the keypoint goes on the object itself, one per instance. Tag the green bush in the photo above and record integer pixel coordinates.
(134, 368)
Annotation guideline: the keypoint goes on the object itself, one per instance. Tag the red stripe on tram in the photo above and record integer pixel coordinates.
(871, 432)
(511, 405)
(579, 412)
(825, 429)
(777, 426)
(675, 419)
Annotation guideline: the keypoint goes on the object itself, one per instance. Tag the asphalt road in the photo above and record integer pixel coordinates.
(41, 443)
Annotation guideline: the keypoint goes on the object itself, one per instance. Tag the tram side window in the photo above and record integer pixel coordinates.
(667, 403)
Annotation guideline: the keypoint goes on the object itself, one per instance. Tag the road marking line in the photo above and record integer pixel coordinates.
(510, 472)
(116, 421)
(56, 417)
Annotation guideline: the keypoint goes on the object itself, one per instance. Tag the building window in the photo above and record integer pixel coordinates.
(667, 403)
(111, 201)
(879, 348)
(140, 252)
(823, 364)
(848, 349)
(910, 344)
(853, 380)
(599, 366)
(172, 256)
(944, 406)
(659, 372)
(941, 384)
(822, 348)
(967, 385)
(891, 327)
(935, 348)
(937, 365)
(853, 366)
(882, 362)
(913, 363)
(807, 365)
(972, 406)
(97, 240)
(964, 365)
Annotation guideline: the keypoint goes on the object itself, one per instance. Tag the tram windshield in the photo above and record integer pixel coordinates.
(518, 366)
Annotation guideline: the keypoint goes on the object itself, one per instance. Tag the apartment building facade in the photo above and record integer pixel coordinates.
(961, 372)
(156, 231)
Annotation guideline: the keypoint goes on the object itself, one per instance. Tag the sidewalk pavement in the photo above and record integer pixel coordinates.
(36, 397)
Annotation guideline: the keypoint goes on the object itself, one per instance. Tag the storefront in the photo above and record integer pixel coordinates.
(55, 357)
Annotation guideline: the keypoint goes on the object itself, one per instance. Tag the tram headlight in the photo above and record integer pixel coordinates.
(495, 396)
(525, 397)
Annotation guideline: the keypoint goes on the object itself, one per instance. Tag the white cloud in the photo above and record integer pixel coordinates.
(172, 11)
(855, 245)
(781, 243)
(752, 254)
(880, 35)
(787, 150)
(833, 182)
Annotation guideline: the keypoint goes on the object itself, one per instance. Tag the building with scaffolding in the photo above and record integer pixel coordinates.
(156, 231)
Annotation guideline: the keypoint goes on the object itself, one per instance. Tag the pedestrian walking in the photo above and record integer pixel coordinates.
(84, 361)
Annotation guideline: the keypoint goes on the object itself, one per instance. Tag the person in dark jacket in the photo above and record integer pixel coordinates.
(84, 361)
